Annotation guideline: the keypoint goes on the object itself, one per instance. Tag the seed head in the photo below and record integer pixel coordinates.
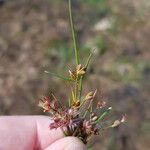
(89, 96)
(80, 70)
(45, 104)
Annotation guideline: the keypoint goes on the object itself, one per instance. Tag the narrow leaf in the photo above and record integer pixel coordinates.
(58, 76)
(89, 58)
(103, 115)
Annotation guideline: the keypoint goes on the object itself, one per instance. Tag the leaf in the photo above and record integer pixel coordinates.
(103, 114)
(73, 96)
(89, 59)
(58, 76)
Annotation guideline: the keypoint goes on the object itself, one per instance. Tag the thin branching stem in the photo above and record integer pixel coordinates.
(81, 80)
(80, 87)
(88, 109)
(103, 115)
(73, 33)
(76, 89)
(58, 76)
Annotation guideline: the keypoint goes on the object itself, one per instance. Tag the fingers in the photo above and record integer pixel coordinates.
(16, 133)
(45, 136)
(32, 132)
(27, 132)
(67, 143)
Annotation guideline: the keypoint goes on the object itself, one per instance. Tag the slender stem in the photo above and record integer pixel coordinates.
(76, 89)
(103, 115)
(58, 76)
(88, 61)
(60, 104)
(73, 33)
(81, 80)
(90, 103)
(69, 100)
(80, 87)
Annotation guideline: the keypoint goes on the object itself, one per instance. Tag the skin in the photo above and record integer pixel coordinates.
(33, 133)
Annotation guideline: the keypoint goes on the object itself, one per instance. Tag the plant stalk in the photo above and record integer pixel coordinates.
(81, 80)
(73, 33)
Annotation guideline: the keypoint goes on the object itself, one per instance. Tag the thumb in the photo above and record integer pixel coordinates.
(67, 143)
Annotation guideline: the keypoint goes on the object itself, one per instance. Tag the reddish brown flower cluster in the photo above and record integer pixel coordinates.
(69, 120)
(73, 121)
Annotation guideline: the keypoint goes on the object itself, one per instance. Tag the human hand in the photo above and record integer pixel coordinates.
(33, 133)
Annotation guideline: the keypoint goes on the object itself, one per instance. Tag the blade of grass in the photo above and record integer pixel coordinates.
(88, 60)
(103, 115)
(58, 76)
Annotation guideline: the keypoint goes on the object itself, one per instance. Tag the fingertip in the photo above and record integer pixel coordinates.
(67, 143)
(75, 144)
(45, 136)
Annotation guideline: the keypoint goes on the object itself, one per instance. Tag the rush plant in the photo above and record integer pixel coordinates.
(74, 119)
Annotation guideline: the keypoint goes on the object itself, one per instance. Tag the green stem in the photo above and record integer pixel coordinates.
(103, 115)
(90, 104)
(73, 33)
(81, 80)
(80, 88)
(76, 89)
(58, 76)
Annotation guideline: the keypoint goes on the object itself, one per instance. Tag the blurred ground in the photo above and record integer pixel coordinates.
(35, 36)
